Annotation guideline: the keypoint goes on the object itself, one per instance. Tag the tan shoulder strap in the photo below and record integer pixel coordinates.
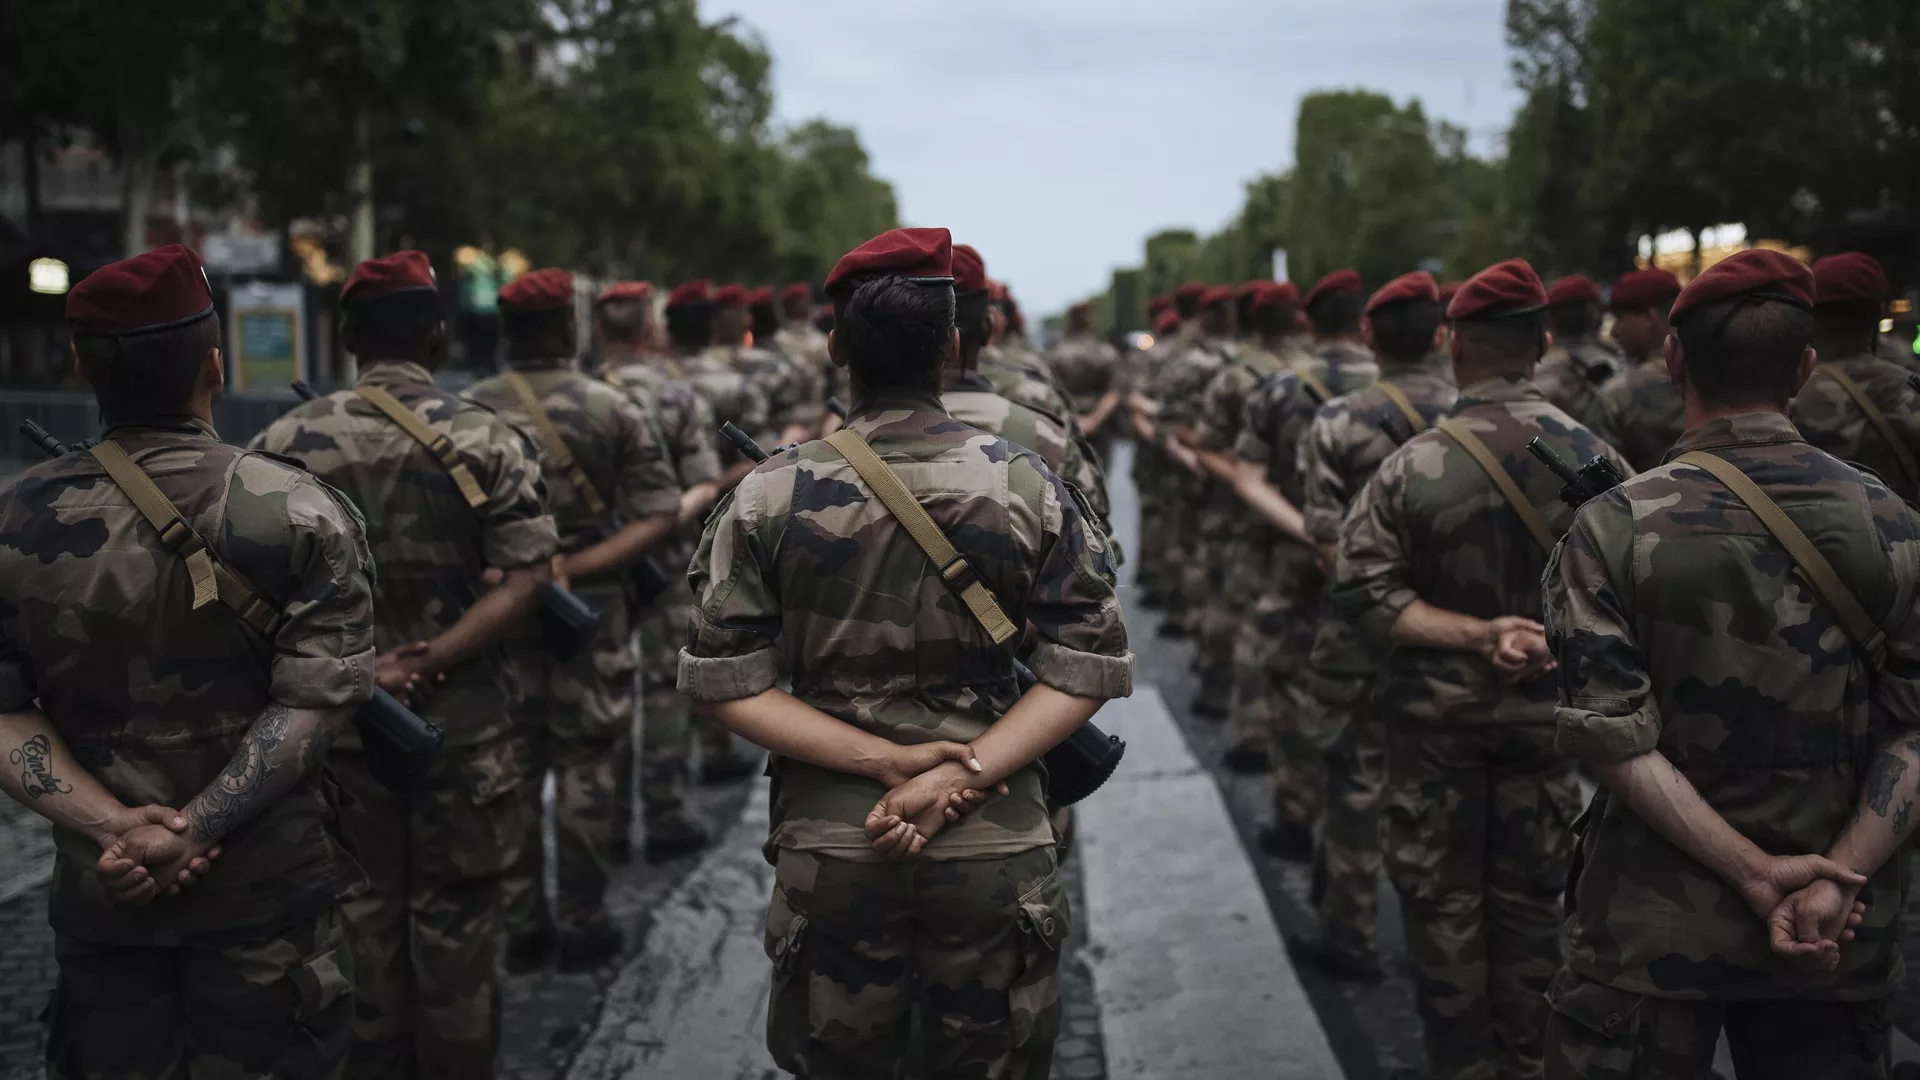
(1908, 466)
(1529, 514)
(1819, 572)
(212, 580)
(1405, 405)
(1315, 385)
(556, 446)
(437, 444)
(953, 567)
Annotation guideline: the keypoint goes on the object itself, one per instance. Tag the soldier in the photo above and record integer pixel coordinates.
(1089, 369)
(799, 341)
(1746, 693)
(424, 934)
(1155, 572)
(1274, 648)
(1439, 561)
(667, 734)
(186, 621)
(1857, 406)
(884, 655)
(1174, 390)
(795, 406)
(1642, 408)
(614, 497)
(1349, 439)
(1572, 372)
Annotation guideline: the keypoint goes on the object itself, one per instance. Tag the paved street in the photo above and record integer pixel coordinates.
(1176, 969)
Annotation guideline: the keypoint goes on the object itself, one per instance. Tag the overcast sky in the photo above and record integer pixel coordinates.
(1055, 135)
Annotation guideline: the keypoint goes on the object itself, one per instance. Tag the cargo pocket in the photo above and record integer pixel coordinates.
(789, 1020)
(478, 815)
(1041, 926)
(323, 1006)
(1598, 1026)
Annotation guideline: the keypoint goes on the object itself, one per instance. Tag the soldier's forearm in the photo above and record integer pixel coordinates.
(1670, 805)
(1250, 483)
(633, 540)
(1102, 409)
(1221, 464)
(496, 614)
(43, 776)
(275, 753)
(1884, 820)
(1039, 721)
(777, 721)
(695, 500)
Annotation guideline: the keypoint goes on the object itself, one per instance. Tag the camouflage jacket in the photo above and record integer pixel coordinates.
(1180, 380)
(971, 401)
(1280, 409)
(1682, 626)
(1571, 374)
(608, 436)
(683, 418)
(792, 395)
(803, 572)
(430, 545)
(1644, 412)
(1830, 419)
(1223, 401)
(732, 397)
(1344, 447)
(804, 344)
(97, 624)
(1087, 367)
(1023, 384)
(1432, 526)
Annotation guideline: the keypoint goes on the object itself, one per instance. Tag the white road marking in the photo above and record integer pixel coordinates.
(1189, 971)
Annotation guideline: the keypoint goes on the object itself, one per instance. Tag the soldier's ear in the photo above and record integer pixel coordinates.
(1441, 338)
(1366, 333)
(1808, 360)
(1677, 360)
(953, 348)
(833, 349)
(213, 372)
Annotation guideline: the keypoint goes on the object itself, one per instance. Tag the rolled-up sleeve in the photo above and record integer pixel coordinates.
(1607, 711)
(736, 622)
(1083, 639)
(516, 528)
(1371, 586)
(1322, 484)
(323, 647)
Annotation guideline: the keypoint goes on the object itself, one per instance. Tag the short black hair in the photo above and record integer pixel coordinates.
(1186, 304)
(1575, 319)
(690, 326)
(1275, 319)
(972, 314)
(151, 374)
(399, 325)
(1512, 342)
(1243, 310)
(766, 323)
(623, 322)
(1852, 327)
(1337, 313)
(1745, 350)
(1404, 330)
(538, 333)
(894, 331)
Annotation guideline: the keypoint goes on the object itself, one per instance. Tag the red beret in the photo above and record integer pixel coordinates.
(728, 294)
(799, 290)
(539, 290)
(1635, 289)
(398, 272)
(1159, 304)
(689, 292)
(1774, 275)
(625, 290)
(761, 297)
(1249, 288)
(1851, 277)
(1503, 289)
(1573, 290)
(1190, 290)
(1218, 294)
(1448, 289)
(1337, 282)
(1415, 286)
(969, 270)
(1167, 323)
(926, 254)
(158, 290)
(1279, 292)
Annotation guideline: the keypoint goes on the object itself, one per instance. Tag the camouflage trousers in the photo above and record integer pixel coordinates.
(1477, 843)
(972, 944)
(1219, 588)
(1153, 568)
(574, 714)
(279, 1007)
(1600, 1033)
(1346, 866)
(1271, 688)
(668, 727)
(425, 933)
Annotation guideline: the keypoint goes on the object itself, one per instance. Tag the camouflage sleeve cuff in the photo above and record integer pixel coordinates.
(727, 678)
(1605, 738)
(1208, 437)
(322, 682)
(1323, 524)
(512, 544)
(699, 468)
(1374, 617)
(1250, 447)
(652, 503)
(1082, 674)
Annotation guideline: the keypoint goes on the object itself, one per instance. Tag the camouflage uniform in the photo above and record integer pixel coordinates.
(1831, 420)
(971, 400)
(1571, 374)
(1349, 439)
(803, 344)
(424, 935)
(1177, 384)
(1156, 478)
(803, 572)
(1270, 653)
(1683, 627)
(732, 397)
(245, 974)
(1088, 369)
(793, 398)
(576, 712)
(1643, 412)
(1478, 802)
(686, 425)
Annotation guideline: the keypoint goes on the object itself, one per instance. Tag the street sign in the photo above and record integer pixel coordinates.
(266, 332)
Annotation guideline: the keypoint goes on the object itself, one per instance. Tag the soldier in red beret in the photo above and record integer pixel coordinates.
(1088, 368)
(795, 405)
(1735, 631)
(1579, 363)
(800, 341)
(1859, 407)
(1641, 410)
(188, 627)
(615, 497)
(1438, 571)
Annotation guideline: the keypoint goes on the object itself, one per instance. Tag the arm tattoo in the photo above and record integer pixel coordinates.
(237, 793)
(1882, 778)
(34, 757)
(1903, 815)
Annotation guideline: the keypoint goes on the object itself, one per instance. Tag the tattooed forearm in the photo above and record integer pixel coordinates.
(282, 746)
(1882, 778)
(1903, 816)
(35, 760)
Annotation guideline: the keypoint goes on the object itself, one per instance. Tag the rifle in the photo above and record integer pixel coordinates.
(1076, 768)
(567, 623)
(400, 747)
(1589, 481)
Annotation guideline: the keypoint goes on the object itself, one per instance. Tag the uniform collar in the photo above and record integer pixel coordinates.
(1741, 429)
(181, 425)
(389, 374)
(971, 382)
(1499, 389)
(883, 406)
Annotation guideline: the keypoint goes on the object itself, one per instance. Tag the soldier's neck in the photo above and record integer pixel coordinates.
(540, 363)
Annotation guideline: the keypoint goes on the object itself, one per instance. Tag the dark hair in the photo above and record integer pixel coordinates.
(1186, 305)
(823, 319)
(539, 334)
(1275, 319)
(1577, 319)
(1849, 327)
(690, 326)
(894, 331)
(1337, 313)
(150, 374)
(971, 313)
(796, 306)
(1744, 350)
(396, 326)
(1243, 311)
(766, 323)
(1512, 342)
(1404, 330)
(623, 322)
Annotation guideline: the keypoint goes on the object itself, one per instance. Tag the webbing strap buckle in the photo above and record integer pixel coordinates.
(958, 573)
